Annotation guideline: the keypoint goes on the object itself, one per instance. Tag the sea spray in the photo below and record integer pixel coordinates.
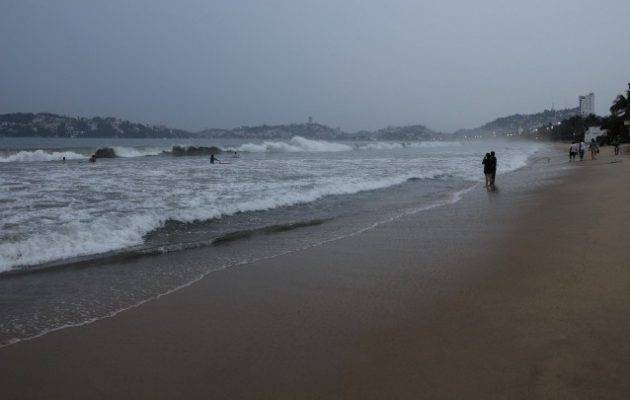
(295, 145)
(81, 209)
(41, 155)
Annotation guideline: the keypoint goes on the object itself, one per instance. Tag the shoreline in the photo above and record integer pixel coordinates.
(413, 308)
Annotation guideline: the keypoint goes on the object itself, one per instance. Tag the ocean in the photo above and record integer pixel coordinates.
(81, 241)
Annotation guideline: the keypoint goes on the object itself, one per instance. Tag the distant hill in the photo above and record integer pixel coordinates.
(323, 132)
(518, 123)
(309, 131)
(53, 125)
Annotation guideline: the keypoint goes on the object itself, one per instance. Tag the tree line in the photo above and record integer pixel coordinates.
(575, 127)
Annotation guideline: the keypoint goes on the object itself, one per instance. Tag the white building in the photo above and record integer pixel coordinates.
(592, 133)
(587, 104)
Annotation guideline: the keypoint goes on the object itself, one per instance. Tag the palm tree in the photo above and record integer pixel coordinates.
(619, 114)
(620, 106)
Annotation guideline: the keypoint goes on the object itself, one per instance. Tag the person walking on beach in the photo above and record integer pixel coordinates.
(616, 142)
(573, 150)
(493, 168)
(593, 148)
(487, 169)
(582, 149)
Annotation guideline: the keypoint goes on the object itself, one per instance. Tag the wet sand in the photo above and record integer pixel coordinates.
(520, 293)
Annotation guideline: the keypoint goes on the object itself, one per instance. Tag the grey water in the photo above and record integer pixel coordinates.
(81, 241)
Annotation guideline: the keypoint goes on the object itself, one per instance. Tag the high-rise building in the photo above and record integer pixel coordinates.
(587, 104)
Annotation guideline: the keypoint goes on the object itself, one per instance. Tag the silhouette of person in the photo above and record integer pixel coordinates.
(487, 169)
(493, 168)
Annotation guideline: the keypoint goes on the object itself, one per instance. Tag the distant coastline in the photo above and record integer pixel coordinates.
(60, 126)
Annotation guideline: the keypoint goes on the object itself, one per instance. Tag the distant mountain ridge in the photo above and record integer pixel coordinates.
(323, 132)
(310, 131)
(518, 123)
(53, 125)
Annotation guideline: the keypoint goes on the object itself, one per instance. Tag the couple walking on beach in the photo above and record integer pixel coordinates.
(490, 169)
(579, 148)
(575, 149)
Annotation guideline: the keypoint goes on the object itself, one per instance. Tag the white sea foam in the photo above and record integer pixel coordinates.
(76, 239)
(454, 197)
(41, 155)
(382, 146)
(121, 151)
(434, 144)
(84, 210)
(296, 144)
(516, 159)
(403, 145)
(79, 234)
(300, 144)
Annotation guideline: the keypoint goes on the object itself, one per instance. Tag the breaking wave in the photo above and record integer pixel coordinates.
(300, 144)
(295, 145)
(116, 232)
(126, 152)
(81, 154)
(42, 155)
(117, 206)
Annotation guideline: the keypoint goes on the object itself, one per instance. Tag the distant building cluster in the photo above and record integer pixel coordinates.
(587, 104)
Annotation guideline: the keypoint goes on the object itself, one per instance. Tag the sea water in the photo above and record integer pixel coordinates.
(80, 240)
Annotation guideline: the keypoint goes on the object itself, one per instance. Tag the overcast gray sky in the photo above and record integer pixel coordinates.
(356, 64)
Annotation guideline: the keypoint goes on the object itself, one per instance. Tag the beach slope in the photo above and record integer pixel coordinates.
(523, 294)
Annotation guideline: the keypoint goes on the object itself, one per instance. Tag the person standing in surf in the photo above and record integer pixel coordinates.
(487, 169)
(213, 159)
(493, 168)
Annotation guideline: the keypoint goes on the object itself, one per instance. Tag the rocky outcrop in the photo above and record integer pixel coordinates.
(195, 151)
(105, 152)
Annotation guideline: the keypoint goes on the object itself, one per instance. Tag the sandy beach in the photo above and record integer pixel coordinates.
(523, 294)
